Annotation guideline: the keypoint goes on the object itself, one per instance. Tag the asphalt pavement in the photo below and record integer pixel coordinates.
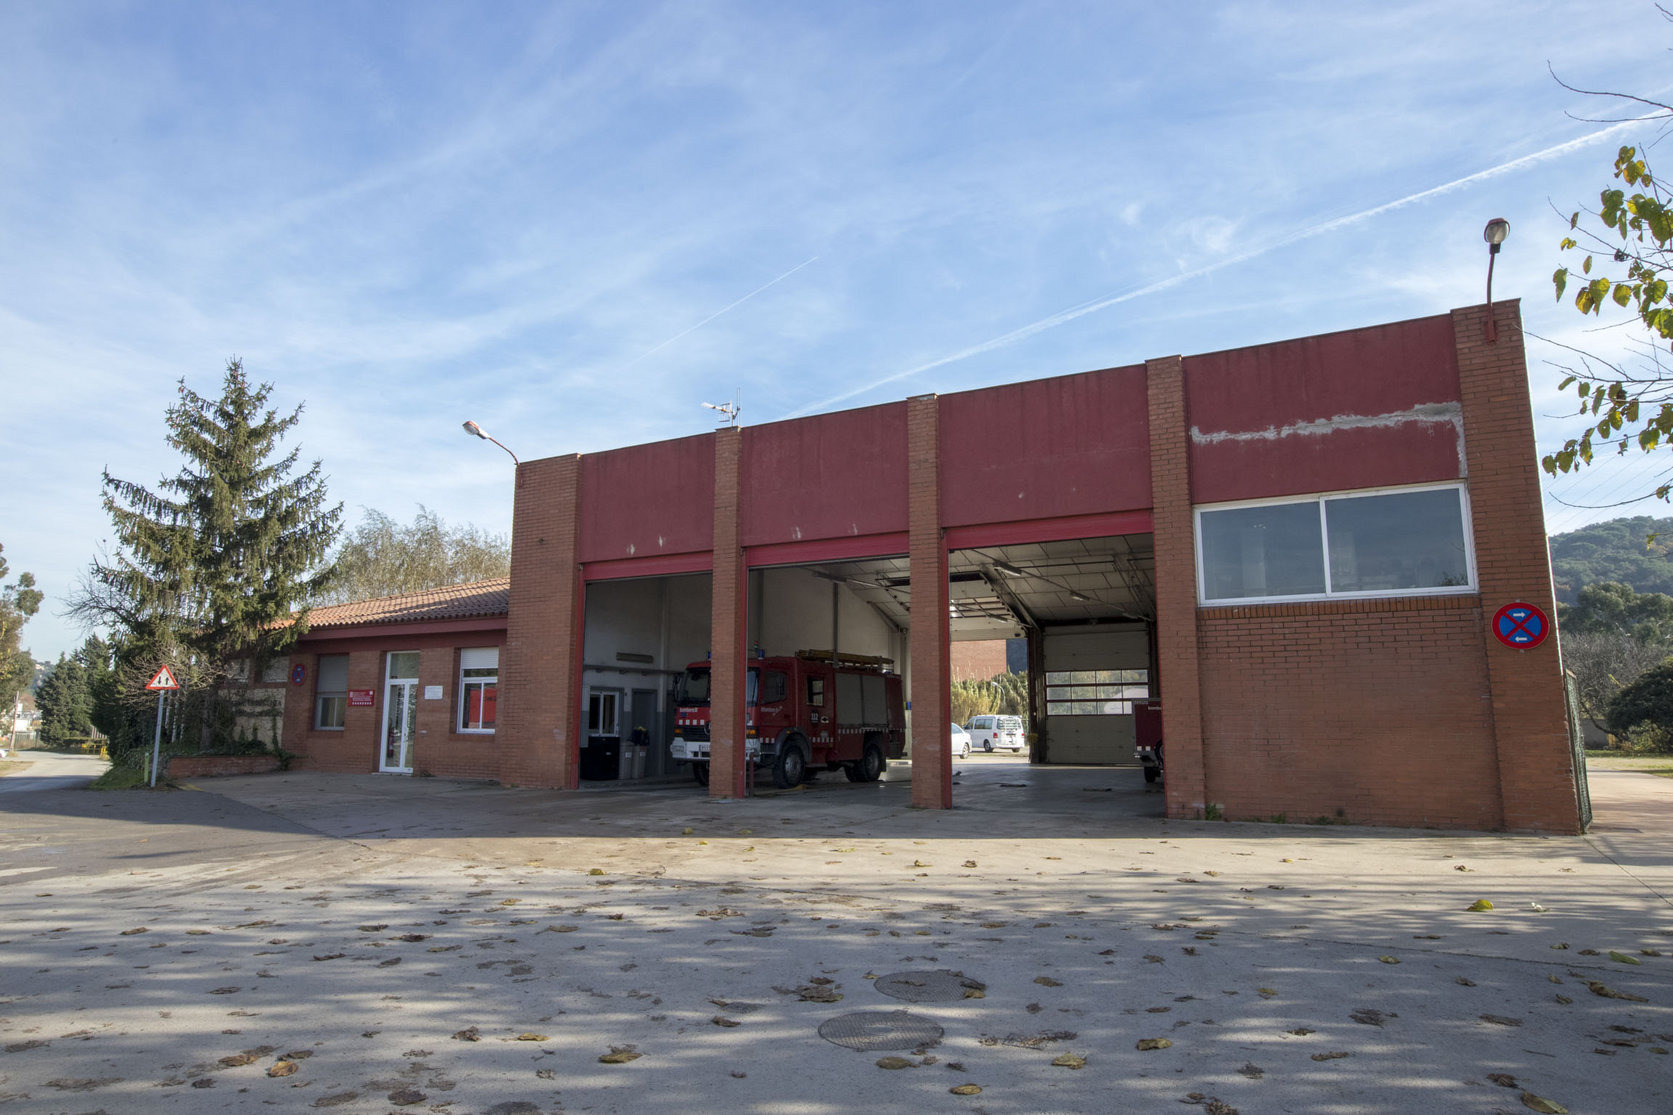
(372, 943)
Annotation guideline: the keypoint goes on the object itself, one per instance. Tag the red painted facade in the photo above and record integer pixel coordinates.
(1367, 408)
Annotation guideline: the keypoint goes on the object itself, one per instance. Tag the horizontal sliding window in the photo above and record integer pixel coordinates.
(1385, 543)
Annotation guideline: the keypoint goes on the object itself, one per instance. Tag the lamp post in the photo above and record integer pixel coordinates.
(1495, 232)
(474, 430)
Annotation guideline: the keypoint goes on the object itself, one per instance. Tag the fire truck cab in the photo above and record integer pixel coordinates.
(803, 713)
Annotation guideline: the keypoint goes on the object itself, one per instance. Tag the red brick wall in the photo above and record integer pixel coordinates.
(540, 667)
(728, 624)
(1372, 712)
(977, 661)
(437, 748)
(1536, 769)
(214, 766)
(1397, 711)
(932, 714)
(1178, 678)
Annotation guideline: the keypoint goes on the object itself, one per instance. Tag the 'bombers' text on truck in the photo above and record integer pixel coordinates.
(802, 713)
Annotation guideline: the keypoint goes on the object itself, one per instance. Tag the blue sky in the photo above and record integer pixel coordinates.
(576, 222)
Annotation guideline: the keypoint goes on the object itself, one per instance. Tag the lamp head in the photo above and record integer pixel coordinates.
(474, 430)
(1495, 232)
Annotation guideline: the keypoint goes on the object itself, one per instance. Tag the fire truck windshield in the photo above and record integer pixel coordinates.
(694, 687)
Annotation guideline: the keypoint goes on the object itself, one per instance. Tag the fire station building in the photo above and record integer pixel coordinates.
(1300, 549)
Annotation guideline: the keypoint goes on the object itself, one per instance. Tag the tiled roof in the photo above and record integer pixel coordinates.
(484, 598)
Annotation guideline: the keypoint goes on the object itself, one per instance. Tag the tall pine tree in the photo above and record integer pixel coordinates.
(65, 704)
(18, 601)
(212, 564)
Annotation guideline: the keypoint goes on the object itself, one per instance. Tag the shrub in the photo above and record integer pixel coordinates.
(1642, 713)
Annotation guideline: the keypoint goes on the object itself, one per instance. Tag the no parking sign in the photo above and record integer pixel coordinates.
(1520, 626)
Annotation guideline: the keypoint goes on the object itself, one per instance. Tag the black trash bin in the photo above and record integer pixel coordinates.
(601, 759)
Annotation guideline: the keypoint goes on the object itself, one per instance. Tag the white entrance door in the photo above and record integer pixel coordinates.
(400, 712)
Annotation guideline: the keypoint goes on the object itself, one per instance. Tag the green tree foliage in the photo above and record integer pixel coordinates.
(1626, 249)
(1643, 711)
(64, 702)
(382, 557)
(125, 723)
(1005, 694)
(1609, 608)
(211, 566)
(1634, 551)
(18, 601)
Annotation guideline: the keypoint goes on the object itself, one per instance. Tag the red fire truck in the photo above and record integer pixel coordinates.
(815, 710)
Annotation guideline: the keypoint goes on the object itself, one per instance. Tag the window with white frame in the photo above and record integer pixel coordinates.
(331, 691)
(479, 686)
(1398, 542)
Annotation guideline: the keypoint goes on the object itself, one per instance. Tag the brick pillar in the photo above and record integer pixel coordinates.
(539, 710)
(1176, 589)
(932, 713)
(1530, 728)
(727, 625)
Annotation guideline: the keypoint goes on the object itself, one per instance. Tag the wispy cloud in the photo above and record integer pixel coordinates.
(1323, 228)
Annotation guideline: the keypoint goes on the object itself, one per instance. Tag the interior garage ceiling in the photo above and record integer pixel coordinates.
(997, 591)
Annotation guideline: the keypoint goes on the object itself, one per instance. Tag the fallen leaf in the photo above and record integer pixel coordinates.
(1301, 1031)
(1464, 981)
(597, 871)
(1330, 1056)
(728, 1023)
(1145, 1045)
(1252, 1070)
(134, 932)
(1047, 981)
(411, 938)
(1389, 959)
(1367, 1016)
(374, 928)
(966, 1089)
(1623, 958)
(283, 1068)
(619, 1056)
(685, 832)
(1479, 904)
(237, 1059)
(1072, 1060)
(1501, 1020)
(331, 956)
(1502, 1079)
(407, 1097)
(1598, 988)
(470, 1033)
(894, 1063)
(1541, 1104)
(533, 1037)
(969, 863)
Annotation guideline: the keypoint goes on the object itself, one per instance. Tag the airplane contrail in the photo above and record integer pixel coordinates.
(1308, 233)
(717, 313)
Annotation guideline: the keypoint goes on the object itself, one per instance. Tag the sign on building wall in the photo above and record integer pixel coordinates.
(360, 698)
(1520, 625)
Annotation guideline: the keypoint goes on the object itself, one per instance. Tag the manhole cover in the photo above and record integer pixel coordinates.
(929, 987)
(875, 1029)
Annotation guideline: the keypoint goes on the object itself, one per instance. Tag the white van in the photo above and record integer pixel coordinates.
(996, 733)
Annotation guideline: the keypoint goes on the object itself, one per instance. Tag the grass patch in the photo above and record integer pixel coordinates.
(12, 766)
(125, 778)
(1659, 765)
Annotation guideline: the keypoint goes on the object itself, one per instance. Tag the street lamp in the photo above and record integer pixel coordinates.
(474, 430)
(1495, 232)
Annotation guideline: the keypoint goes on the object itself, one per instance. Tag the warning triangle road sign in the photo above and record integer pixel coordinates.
(163, 680)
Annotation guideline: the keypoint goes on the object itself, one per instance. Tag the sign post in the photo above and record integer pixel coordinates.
(162, 681)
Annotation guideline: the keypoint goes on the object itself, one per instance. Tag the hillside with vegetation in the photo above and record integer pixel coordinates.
(1614, 551)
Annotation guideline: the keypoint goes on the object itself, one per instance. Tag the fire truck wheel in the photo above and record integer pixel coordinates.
(700, 772)
(789, 767)
(871, 765)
